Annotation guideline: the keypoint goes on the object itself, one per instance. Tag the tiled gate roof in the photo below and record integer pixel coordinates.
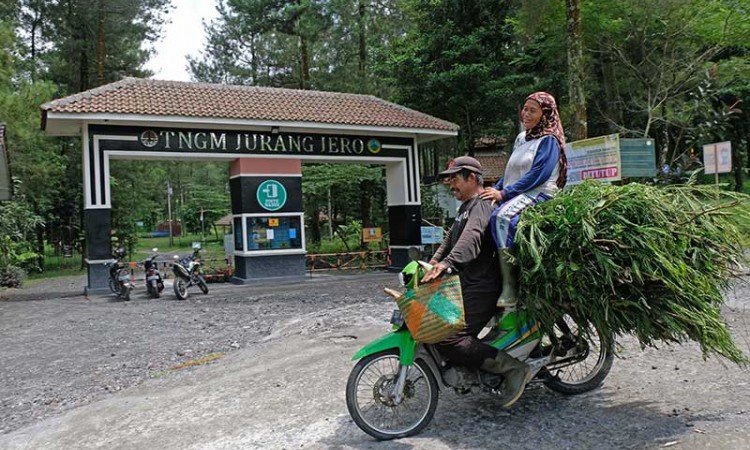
(136, 96)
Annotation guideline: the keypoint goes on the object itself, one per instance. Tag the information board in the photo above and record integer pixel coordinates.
(596, 158)
(372, 234)
(638, 158)
(432, 235)
(717, 158)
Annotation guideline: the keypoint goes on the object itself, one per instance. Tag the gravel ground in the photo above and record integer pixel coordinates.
(62, 350)
(63, 353)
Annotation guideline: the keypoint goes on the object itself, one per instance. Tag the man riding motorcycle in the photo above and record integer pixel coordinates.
(469, 250)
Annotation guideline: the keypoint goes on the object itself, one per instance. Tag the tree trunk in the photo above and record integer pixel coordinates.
(253, 61)
(362, 19)
(100, 49)
(576, 75)
(365, 203)
(305, 63)
(315, 226)
(40, 246)
(83, 71)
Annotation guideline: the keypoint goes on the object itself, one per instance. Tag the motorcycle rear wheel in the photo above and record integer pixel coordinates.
(588, 373)
(180, 288)
(114, 286)
(125, 293)
(154, 289)
(202, 284)
(372, 408)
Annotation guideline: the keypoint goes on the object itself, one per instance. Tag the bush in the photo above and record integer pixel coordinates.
(12, 276)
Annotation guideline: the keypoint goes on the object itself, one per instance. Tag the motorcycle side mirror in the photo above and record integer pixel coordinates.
(414, 254)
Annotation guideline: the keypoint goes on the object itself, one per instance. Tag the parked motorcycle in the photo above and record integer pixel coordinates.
(393, 390)
(119, 276)
(154, 282)
(187, 273)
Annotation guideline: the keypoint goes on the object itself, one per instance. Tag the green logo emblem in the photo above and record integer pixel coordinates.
(373, 145)
(271, 195)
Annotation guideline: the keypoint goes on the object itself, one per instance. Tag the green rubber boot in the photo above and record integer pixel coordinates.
(508, 296)
(515, 372)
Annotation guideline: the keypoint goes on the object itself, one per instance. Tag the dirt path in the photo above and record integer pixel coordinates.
(280, 384)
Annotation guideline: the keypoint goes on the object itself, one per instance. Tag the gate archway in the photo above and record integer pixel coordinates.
(266, 134)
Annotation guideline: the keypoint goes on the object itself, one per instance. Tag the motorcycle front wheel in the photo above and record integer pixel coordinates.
(202, 284)
(590, 363)
(373, 408)
(180, 288)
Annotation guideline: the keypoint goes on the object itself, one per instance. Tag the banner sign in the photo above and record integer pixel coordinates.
(717, 158)
(597, 158)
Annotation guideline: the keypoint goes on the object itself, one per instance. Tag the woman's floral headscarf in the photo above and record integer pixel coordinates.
(550, 124)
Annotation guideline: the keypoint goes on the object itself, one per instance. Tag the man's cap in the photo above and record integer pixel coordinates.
(460, 163)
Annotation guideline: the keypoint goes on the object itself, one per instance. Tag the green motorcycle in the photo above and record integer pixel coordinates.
(393, 390)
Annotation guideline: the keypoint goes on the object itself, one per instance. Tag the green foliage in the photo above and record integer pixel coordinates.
(92, 43)
(12, 276)
(209, 202)
(456, 62)
(318, 44)
(17, 227)
(354, 192)
(677, 71)
(430, 208)
(636, 259)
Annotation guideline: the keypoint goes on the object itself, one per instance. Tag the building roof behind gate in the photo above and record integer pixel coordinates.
(145, 97)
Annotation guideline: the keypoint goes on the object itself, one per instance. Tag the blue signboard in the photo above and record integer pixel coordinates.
(432, 235)
(638, 157)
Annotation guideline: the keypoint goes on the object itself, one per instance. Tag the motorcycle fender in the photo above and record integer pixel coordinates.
(180, 271)
(400, 339)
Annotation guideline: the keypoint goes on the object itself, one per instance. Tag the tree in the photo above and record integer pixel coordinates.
(323, 45)
(457, 62)
(93, 42)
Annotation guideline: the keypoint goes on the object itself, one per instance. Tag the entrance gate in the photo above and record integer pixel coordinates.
(266, 134)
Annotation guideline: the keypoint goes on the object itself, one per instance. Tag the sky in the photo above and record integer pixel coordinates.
(183, 36)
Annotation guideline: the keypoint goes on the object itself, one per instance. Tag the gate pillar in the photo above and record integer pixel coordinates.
(268, 219)
(98, 226)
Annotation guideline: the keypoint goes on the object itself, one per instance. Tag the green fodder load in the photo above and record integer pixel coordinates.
(644, 260)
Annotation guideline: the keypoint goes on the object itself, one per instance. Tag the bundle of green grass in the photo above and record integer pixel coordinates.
(635, 259)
